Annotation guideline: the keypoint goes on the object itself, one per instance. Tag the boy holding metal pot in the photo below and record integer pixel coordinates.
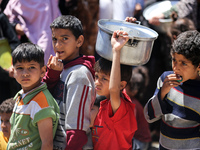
(114, 124)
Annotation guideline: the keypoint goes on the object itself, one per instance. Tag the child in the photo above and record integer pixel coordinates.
(176, 99)
(72, 87)
(136, 89)
(115, 123)
(6, 109)
(35, 115)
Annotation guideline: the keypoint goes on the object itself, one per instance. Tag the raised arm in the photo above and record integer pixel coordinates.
(118, 40)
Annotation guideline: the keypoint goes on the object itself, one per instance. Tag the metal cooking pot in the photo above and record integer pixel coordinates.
(158, 8)
(136, 51)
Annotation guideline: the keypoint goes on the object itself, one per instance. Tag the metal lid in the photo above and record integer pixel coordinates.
(157, 8)
(135, 31)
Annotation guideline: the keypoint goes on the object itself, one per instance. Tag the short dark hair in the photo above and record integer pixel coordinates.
(68, 22)
(104, 65)
(28, 52)
(188, 44)
(7, 106)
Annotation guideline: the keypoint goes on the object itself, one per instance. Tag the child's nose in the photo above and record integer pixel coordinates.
(58, 44)
(175, 67)
(97, 82)
(3, 125)
(25, 73)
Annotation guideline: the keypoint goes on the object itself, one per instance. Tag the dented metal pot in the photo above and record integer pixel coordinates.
(136, 51)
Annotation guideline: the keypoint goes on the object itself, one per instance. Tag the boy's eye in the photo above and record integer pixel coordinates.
(184, 63)
(104, 79)
(32, 67)
(173, 59)
(19, 68)
(54, 39)
(96, 76)
(65, 38)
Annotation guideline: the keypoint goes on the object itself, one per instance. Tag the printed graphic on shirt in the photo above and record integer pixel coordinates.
(95, 132)
(58, 91)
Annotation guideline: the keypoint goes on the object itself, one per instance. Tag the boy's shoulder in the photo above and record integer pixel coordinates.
(40, 95)
(83, 64)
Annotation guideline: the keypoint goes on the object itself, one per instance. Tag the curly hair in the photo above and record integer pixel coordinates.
(7, 106)
(188, 44)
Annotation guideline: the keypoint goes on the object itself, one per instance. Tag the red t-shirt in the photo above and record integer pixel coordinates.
(114, 132)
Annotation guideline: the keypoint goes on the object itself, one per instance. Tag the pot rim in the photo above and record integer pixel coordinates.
(128, 23)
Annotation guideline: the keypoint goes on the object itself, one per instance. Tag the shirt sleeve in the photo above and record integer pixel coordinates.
(51, 78)
(155, 107)
(73, 136)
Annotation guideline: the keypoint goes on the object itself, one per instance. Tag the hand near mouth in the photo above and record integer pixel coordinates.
(170, 81)
(55, 63)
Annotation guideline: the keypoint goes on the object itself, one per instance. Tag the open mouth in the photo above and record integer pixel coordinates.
(61, 52)
(180, 78)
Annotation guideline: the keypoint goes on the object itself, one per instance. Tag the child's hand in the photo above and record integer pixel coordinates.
(55, 63)
(118, 40)
(130, 19)
(169, 82)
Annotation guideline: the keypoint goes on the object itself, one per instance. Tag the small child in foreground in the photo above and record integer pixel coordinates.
(6, 109)
(35, 115)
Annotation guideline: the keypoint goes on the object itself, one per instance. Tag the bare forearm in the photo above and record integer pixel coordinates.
(47, 146)
(115, 78)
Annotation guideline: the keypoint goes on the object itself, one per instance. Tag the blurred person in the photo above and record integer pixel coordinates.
(180, 25)
(6, 109)
(185, 9)
(136, 89)
(119, 10)
(32, 18)
(8, 85)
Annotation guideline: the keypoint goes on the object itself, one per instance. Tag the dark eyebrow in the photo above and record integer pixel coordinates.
(65, 35)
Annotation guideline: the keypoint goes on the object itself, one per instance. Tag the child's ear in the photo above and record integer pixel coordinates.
(43, 71)
(123, 85)
(80, 41)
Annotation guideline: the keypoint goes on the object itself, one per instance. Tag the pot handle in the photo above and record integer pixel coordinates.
(138, 22)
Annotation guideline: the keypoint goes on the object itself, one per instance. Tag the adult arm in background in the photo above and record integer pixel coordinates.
(8, 32)
(184, 8)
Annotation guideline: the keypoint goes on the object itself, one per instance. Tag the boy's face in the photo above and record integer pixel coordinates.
(28, 74)
(184, 67)
(65, 44)
(5, 124)
(102, 84)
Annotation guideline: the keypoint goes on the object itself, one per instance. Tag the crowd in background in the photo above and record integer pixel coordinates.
(30, 21)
